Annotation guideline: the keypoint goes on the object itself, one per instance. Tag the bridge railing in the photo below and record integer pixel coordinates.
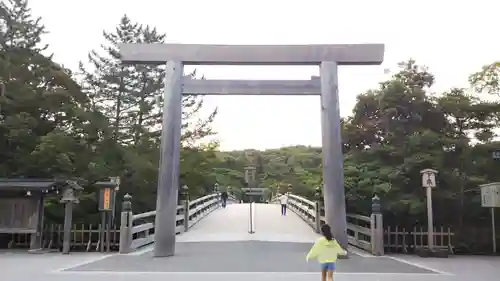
(232, 198)
(362, 231)
(137, 230)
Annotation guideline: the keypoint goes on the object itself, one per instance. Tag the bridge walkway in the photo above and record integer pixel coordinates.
(232, 224)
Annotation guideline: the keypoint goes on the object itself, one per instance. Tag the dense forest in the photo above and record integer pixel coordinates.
(103, 120)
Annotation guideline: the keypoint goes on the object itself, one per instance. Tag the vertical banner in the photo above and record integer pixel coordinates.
(106, 199)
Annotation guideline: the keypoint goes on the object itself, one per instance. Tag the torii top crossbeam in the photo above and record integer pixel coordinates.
(198, 54)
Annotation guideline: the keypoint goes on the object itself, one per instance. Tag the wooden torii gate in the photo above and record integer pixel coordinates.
(175, 56)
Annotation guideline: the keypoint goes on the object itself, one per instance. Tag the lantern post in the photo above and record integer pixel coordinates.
(429, 182)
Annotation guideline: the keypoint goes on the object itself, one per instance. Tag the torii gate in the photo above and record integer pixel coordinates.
(328, 57)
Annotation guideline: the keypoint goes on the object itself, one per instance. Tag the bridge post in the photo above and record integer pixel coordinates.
(333, 159)
(185, 194)
(317, 209)
(377, 228)
(126, 225)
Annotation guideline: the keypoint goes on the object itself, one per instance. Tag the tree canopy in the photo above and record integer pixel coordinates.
(103, 120)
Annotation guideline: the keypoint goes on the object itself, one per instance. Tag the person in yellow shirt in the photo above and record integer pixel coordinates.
(326, 250)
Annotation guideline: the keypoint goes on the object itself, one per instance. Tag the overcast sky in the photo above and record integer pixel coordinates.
(453, 38)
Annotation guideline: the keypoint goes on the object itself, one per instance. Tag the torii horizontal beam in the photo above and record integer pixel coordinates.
(252, 87)
(199, 54)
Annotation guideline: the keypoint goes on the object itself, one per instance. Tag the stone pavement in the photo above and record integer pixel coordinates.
(241, 256)
(96, 267)
(226, 251)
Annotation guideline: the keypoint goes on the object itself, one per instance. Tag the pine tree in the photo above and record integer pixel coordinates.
(110, 84)
(38, 97)
(131, 97)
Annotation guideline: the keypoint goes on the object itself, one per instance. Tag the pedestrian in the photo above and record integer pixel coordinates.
(326, 250)
(224, 198)
(283, 201)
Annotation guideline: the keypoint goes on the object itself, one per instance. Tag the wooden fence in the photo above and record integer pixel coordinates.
(86, 238)
(402, 240)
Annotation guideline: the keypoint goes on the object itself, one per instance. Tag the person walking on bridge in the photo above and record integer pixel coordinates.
(224, 196)
(326, 250)
(283, 201)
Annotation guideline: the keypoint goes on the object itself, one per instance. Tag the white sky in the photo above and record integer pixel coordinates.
(453, 38)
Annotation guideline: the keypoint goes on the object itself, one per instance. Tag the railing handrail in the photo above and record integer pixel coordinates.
(302, 199)
(232, 197)
(367, 238)
(144, 215)
(359, 217)
(133, 236)
(195, 201)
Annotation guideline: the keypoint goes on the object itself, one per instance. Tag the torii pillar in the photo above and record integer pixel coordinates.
(327, 57)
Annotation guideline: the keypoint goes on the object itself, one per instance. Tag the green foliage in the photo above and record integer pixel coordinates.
(103, 122)
(395, 131)
(106, 121)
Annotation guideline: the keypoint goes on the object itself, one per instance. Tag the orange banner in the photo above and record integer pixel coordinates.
(107, 199)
